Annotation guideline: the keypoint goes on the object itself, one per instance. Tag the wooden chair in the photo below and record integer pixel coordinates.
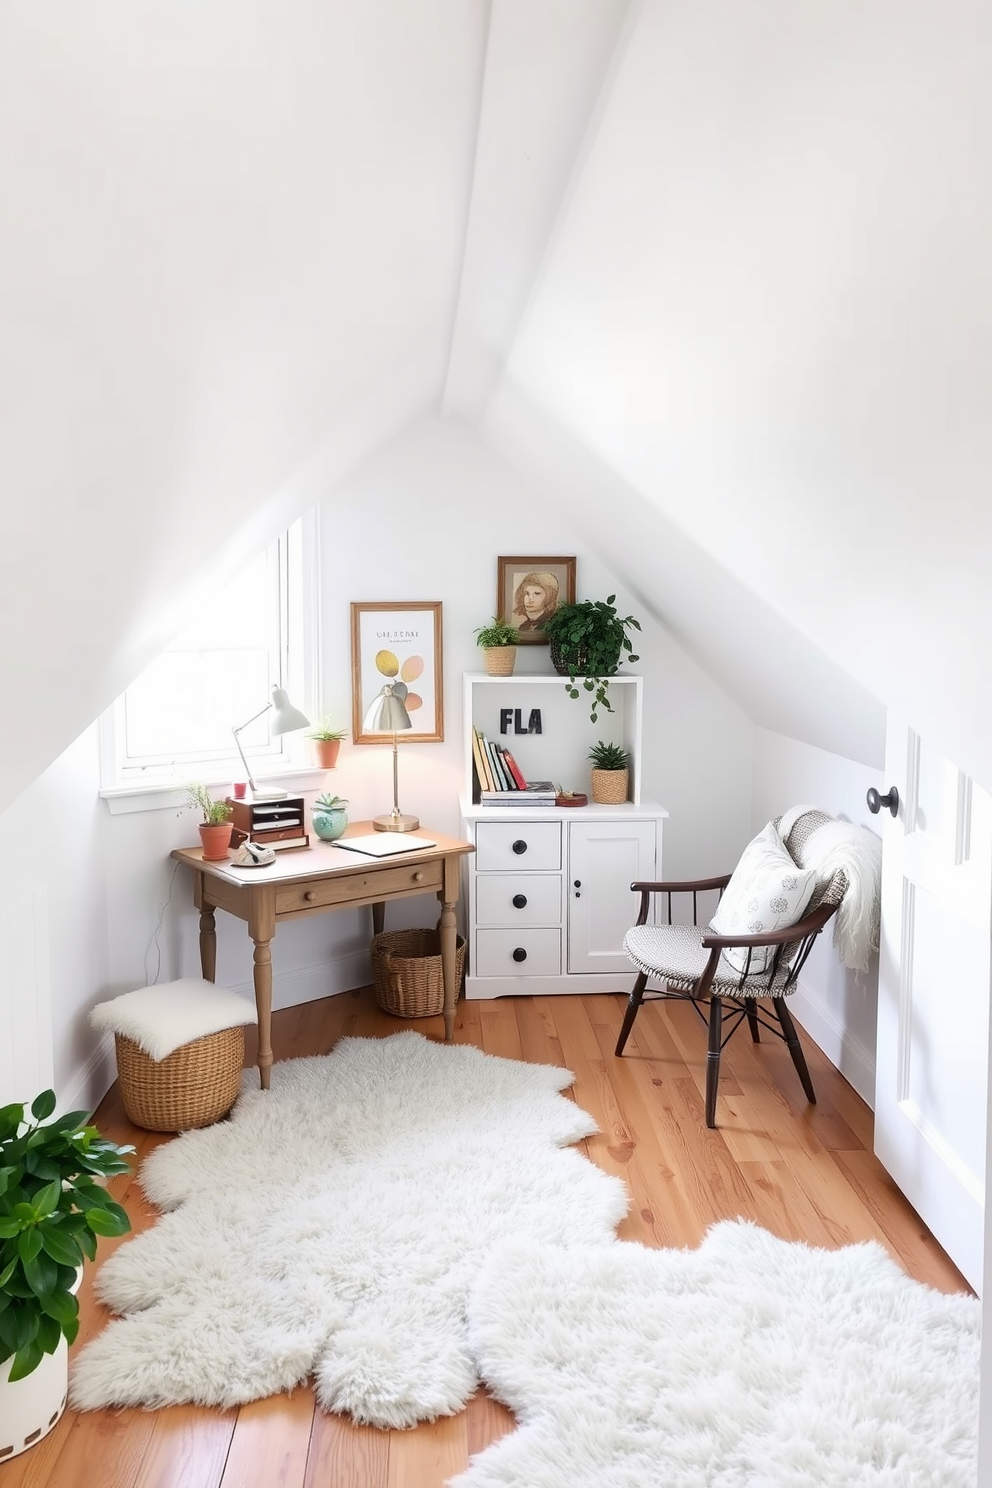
(693, 968)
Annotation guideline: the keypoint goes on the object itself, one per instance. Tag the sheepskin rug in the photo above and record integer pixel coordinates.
(334, 1225)
(748, 1363)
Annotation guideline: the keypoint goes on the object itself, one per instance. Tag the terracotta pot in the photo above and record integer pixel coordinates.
(609, 787)
(215, 841)
(326, 751)
(500, 660)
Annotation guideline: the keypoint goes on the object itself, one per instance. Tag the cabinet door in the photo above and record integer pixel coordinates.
(604, 859)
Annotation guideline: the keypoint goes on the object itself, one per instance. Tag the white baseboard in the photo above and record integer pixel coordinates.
(847, 1053)
(91, 1081)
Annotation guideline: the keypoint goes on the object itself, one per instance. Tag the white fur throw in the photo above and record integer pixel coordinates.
(161, 1019)
(857, 852)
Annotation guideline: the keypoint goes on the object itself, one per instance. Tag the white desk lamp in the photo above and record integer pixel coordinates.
(284, 720)
(388, 715)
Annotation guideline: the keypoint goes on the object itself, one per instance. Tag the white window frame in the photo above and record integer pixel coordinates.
(160, 785)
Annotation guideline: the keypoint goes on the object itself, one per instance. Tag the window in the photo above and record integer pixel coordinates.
(175, 721)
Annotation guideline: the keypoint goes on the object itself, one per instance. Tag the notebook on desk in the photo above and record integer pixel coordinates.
(384, 844)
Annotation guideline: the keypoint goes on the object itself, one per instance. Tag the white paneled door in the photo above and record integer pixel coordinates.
(933, 994)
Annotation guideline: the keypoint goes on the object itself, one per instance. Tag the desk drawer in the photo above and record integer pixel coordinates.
(377, 883)
(533, 847)
(522, 953)
(498, 896)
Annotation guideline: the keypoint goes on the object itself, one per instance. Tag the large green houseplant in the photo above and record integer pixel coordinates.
(51, 1211)
(587, 641)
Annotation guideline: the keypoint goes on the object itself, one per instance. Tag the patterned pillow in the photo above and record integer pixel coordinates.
(766, 892)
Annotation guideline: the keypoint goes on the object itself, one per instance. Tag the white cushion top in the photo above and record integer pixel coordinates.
(160, 1019)
(766, 892)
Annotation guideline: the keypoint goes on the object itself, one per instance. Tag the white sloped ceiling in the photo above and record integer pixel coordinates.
(733, 255)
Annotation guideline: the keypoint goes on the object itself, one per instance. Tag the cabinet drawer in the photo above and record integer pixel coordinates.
(359, 888)
(498, 952)
(532, 846)
(518, 899)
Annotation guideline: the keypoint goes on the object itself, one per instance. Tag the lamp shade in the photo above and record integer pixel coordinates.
(285, 718)
(388, 715)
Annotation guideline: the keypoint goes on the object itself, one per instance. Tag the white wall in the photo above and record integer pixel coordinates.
(99, 908)
(837, 1007)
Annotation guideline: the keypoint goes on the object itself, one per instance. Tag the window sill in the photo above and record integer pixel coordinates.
(124, 799)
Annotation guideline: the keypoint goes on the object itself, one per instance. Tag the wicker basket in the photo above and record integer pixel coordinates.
(609, 787)
(406, 965)
(194, 1086)
(500, 660)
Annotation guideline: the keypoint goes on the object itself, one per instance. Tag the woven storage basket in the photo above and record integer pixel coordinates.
(406, 965)
(609, 787)
(194, 1086)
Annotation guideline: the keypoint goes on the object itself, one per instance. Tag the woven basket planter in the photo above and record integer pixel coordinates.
(194, 1086)
(406, 967)
(609, 787)
(500, 660)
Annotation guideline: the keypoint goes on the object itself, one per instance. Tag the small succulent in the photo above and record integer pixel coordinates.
(330, 803)
(497, 633)
(609, 756)
(325, 730)
(213, 812)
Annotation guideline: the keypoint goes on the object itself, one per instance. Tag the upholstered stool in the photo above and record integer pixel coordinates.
(180, 1051)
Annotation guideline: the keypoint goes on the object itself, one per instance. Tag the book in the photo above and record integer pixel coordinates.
(514, 769)
(480, 764)
(494, 769)
(485, 769)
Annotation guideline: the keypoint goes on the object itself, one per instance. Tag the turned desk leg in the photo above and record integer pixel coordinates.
(208, 944)
(448, 965)
(263, 1005)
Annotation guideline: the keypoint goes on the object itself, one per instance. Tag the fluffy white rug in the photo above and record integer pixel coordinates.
(335, 1224)
(749, 1363)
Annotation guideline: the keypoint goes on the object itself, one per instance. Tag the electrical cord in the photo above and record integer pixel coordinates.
(154, 943)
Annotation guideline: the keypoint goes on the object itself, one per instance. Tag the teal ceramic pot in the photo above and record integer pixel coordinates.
(329, 822)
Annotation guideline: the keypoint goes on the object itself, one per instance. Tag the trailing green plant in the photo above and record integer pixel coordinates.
(497, 633)
(326, 732)
(590, 637)
(609, 757)
(51, 1212)
(213, 812)
(330, 803)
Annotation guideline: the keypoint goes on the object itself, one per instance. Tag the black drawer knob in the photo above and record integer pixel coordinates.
(519, 846)
(520, 954)
(520, 901)
(577, 884)
(890, 801)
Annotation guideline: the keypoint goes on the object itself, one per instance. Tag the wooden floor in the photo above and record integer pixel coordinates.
(804, 1172)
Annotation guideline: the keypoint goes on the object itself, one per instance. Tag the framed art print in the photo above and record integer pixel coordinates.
(529, 590)
(396, 672)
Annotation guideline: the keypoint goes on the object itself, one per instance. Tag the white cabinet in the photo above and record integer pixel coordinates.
(548, 891)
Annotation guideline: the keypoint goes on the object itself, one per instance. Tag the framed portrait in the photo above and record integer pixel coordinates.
(396, 677)
(529, 590)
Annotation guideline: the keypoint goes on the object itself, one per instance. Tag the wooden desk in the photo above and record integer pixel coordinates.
(309, 881)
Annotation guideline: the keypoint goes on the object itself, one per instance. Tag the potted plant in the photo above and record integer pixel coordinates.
(499, 646)
(610, 774)
(329, 817)
(51, 1211)
(327, 743)
(215, 828)
(587, 639)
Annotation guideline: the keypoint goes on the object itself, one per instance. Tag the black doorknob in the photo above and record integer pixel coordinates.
(520, 954)
(519, 901)
(520, 846)
(890, 799)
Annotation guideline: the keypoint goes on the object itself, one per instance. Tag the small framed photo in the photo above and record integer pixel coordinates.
(529, 590)
(396, 677)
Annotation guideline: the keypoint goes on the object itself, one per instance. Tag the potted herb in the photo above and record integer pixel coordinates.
(499, 646)
(329, 817)
(327, 743)
(215, 826)
(610, 774)
(51, 1211)
(587, 640)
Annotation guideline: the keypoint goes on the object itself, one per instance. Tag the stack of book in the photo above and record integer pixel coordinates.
(499, 780)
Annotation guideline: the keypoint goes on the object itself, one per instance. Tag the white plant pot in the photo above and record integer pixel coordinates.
(30, 1407)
